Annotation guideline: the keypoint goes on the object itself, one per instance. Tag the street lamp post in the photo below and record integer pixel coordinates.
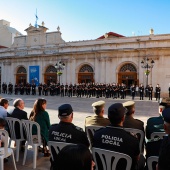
(59, 67)
(146, 65)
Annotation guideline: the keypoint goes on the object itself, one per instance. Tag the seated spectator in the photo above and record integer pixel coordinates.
(40, 116)
(3, 108)
(115, 138)
(2, 127)
(164, 154)
(66, 131)
(75, 157)
(97, 119)
(154, 124)
(129, 121)
(20, 114)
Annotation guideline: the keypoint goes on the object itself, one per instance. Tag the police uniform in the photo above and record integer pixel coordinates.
(129, 121)
(97, 120)
(141, 92)
(115, 138)
(154, 124)
(150, 90)
(157, 91)
(164, 154)
(65, 131)
(118, 140)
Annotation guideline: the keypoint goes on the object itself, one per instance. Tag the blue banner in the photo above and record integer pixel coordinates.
(34, 74)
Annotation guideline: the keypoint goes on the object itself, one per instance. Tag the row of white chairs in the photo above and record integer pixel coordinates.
(27, 125)
(105, 156)
(90, 130)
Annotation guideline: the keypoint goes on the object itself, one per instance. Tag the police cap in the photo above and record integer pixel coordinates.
(65, 110)
(100, 103)
(129, 104)
(166, 115)
(116, 111)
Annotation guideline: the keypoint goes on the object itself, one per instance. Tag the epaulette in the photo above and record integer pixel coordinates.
(79, 128)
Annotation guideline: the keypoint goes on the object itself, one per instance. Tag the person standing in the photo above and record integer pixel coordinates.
(141, 91)
(133, 90)
(157, 91)
(150, 90)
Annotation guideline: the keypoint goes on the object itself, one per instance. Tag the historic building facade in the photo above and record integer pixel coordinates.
(111, 58)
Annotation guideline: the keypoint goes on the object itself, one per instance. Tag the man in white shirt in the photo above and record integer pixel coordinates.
(3, 107)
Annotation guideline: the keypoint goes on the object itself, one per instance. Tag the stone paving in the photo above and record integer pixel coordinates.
(81, 108)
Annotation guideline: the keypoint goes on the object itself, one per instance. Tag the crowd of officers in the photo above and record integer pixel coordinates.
(88, 90)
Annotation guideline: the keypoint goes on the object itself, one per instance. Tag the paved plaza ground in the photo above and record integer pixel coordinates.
(81, 108)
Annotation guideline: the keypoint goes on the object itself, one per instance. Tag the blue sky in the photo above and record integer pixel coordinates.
(90, 19)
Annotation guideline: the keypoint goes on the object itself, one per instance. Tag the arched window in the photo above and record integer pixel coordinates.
(21, 70)
(86, 68)
(128, 68)
(51, 69)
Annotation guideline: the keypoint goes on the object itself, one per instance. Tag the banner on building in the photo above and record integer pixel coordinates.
(34, 74)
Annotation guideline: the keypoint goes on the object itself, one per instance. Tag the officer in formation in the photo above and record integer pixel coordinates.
(141, 91)
(157, 92)
(133, 90)
(150, 91)
(115, 138)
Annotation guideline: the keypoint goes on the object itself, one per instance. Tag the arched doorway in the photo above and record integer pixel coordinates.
(21, 76)
(50, 75)
(128, 75)
(86, 74)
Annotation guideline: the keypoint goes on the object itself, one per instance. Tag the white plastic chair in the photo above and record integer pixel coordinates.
(5, 151)
(57, 147)
(28, 125)
(90, 130)
(107, 156)
(135, 132)
(158, 134)
(150, 160)
(11, 124)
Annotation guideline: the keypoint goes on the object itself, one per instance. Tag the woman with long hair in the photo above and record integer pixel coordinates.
(40, 116)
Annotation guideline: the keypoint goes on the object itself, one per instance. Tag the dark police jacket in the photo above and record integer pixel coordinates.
(154, 124)
(164, 155)
(69, 133)
(117, 139)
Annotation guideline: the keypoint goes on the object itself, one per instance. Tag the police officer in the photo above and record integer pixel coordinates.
(133, 91)
(157, 91)
(98, 118)
(65, 131)
(150, 90)
(130, 122)
(115, 138)
(141, 91)
(164, 154)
